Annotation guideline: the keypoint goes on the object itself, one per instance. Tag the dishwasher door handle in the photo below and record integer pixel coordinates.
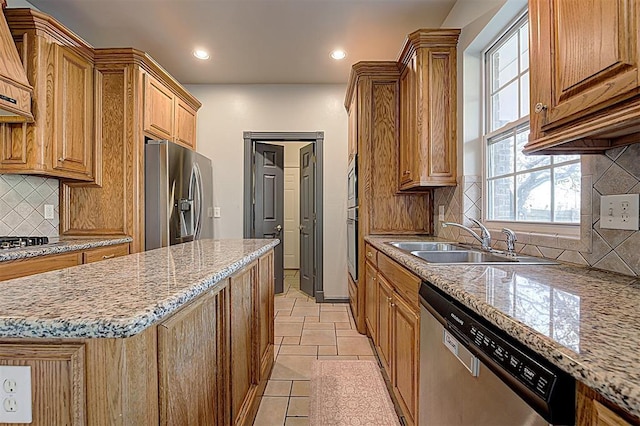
(460, 351)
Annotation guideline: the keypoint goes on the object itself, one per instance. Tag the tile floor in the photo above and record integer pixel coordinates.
(304, 331)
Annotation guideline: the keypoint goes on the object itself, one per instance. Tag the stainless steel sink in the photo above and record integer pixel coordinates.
(425, 246)
(477, 258)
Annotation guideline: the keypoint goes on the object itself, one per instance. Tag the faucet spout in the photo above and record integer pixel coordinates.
(484, 239)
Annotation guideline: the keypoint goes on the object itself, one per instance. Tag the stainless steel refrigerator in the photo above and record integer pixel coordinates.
(178, 195)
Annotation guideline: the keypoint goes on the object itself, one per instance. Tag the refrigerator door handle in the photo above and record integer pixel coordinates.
(197, 200)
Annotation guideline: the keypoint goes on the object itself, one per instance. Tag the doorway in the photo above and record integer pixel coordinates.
(264, 200)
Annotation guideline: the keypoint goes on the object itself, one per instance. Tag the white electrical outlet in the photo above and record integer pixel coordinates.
(441, 213)
(619, 211)
(15, 394)
(48, 211)
(216, 212)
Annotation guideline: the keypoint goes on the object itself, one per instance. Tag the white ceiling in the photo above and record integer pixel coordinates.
(252, 41)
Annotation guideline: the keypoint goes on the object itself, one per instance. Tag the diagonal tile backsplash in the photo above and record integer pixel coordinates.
(615, 172)
(22, 200)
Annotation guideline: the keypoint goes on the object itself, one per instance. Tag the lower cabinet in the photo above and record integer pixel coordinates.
(397, 318)
(371, 300)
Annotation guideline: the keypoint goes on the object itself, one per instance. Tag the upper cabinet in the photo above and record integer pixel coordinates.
(60, 67)
(584, 75)
(428, 109)
(166, 116)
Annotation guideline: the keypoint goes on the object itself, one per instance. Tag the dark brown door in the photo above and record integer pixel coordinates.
(307, 219)
(269, 201)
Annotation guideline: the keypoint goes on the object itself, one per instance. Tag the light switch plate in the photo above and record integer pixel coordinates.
(15, 394)
(216, 212)
(619, 211)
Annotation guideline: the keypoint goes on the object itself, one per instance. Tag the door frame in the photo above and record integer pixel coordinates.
(317, 138)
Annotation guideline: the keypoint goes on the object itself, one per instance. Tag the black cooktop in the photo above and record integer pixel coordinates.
(14, 242)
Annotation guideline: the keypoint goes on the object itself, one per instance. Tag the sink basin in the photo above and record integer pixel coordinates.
(462, 256)
(425, 246)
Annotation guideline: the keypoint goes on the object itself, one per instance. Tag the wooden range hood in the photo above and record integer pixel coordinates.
(15, 90)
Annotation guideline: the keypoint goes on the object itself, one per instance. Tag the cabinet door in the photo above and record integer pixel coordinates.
(602, 416)
(265, 316)
(187, 360)
(73, 138)
(594, 59)
(371, 302)
(385, 297)
(353, 126)
(158, 109)
(185, 124)
(408, 129)
(405, 341)
(244, 359)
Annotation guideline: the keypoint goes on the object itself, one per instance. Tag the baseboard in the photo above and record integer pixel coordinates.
(321, 299)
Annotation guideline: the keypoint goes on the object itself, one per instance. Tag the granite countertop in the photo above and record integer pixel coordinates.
(583, 320)
(120, 297)
(62, 245)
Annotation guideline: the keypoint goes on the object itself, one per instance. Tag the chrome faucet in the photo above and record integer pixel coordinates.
(484, 238)
(511, 241)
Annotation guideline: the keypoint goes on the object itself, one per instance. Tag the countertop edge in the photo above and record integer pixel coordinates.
(618, 390)
(127, 327)
(61, 247)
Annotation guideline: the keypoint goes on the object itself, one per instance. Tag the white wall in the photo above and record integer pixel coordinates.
(228, 110)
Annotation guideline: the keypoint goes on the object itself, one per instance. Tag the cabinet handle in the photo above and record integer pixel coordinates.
(406, 172)
(369, 254)
(539, 108)
(388, 299)
(393, 305)
(108, 256)
(60, 160)
(374, 278)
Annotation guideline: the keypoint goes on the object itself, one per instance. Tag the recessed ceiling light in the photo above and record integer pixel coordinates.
(201, 54)
(338, 54)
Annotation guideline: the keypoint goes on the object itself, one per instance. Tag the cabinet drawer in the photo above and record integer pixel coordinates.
(405, 283)
(104, 253)
(371, 254)
(37, 265)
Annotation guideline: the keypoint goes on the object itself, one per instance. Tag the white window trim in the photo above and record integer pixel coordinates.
(561, 230)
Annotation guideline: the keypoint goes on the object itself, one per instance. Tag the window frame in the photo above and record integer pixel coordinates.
(569, 229)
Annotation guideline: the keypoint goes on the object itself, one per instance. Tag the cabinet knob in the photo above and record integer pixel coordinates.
(369, 254)
(393, 305)
(539, 108)
(388, 299)
(407, 172)
(375, 279)
(60, 160)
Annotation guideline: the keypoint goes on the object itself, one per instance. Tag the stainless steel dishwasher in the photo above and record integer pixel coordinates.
(472, 373)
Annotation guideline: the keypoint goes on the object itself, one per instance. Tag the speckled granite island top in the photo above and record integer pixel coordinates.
(60, 246)
(120, 297)
(585, 321)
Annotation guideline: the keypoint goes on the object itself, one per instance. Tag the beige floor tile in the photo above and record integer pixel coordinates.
(292, 367)
(305, 304)
(345, 333)
(327, 350)
(333, 316)
(318, 337)
(343, 326)
(297, 421)
(350, 357)
(282, 303)
(278, 388)
(283, 312)
(367, 358)
(291, 340)
(318, 326)
(305, 311)
(301, 388)
(311, 319)
(285, 318)
(277, 340)
(330, 308)
(298, 350)
(272, 411)
(288, 329)
(298, 406)
(354, 346)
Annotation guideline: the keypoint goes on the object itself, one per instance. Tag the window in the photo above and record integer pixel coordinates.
(521, 188)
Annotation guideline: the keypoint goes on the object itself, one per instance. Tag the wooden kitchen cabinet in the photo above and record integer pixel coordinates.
(353, 128)
(266, 288)
(166, 116)
(584, 75)
(37, 265)
(405, 344)
(374, 92)
(60, 67)
(371, 300)
(428, 109)
(594, 410)
(385, 320)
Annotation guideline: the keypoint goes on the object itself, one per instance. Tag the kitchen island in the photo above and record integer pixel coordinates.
(149, 338)
(583, 320)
